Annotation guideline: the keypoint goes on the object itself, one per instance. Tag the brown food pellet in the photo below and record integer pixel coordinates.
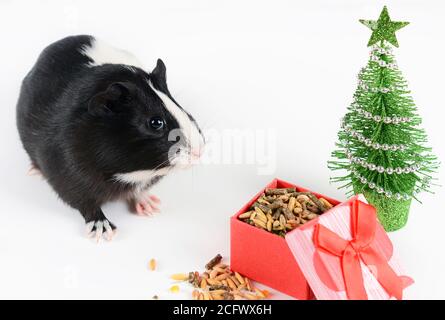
(218, 282)
(217, 259)
(283, 209)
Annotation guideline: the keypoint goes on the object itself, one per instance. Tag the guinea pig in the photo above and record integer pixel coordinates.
(98, 127)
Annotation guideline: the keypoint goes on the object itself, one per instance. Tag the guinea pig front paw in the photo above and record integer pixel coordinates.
(147, 206)
(100, 228)
(33, 171)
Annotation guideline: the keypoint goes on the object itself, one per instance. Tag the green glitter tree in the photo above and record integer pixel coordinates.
(380, 144)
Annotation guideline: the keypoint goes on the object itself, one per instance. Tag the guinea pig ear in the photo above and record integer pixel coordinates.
(108, 101)
(159, 72)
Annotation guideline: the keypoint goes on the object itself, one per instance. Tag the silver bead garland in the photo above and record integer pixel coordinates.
(381, 50)
(366, 87)
(388, 120)
(381, 190)
(381, 169)
(383, 64)
(368, 142)
(375, 58)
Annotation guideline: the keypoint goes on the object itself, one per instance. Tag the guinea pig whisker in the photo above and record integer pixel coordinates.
(209, 124)
(160, 165)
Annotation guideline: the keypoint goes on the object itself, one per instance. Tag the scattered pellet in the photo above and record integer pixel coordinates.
(152, 264)
(174, 289)
(218, 282)
(179, 277)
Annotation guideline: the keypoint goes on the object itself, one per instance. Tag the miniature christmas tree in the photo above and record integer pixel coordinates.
(380, 144)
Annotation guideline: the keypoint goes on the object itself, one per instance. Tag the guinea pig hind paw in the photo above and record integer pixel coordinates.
(154, 199)
(99, 229)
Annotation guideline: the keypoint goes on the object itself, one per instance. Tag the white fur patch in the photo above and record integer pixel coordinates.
(141, 176)
(102, 53)
(188, 127)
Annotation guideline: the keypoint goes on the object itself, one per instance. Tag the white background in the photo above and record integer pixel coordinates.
(289, 66)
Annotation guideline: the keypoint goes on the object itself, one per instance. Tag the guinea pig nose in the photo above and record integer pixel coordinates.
(196, 152)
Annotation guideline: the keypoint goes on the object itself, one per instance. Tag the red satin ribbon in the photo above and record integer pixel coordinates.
(363, 226)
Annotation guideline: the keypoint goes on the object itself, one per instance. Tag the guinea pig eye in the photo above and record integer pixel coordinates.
(156, 123)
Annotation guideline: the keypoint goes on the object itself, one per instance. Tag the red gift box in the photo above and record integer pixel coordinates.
(275, 261)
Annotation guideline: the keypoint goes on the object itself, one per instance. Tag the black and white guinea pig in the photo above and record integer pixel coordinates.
(98, 127)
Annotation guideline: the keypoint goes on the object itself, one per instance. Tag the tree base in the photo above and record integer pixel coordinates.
(393, 214)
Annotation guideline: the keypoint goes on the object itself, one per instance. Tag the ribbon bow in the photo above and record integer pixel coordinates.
(363, 227)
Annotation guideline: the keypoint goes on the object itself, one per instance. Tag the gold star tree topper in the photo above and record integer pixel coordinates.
(383, 28)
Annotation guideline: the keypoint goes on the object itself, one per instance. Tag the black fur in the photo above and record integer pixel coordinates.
(81, 125)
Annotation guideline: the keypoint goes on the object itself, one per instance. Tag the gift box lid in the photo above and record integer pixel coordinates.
(346, 254)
